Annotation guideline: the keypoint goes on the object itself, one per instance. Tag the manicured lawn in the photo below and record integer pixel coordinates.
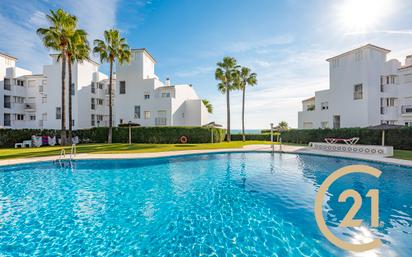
(10, 153)
(403, 154)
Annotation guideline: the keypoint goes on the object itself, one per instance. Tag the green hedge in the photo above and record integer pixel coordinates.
(251, 137)
(398, 138)
(8, 137)
(155, 135)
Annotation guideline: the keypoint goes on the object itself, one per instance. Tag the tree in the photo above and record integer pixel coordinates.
(283, 125)
(56, 37)
(226, 74)
(245, 78)
(208, 105)
(113, 48)
(77, 50)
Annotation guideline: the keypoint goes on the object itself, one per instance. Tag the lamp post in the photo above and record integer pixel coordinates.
(271, 137)
(130, 132)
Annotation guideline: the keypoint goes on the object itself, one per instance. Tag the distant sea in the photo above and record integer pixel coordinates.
(247, 131)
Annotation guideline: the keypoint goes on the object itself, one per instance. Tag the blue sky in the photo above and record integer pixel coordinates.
(284, 42)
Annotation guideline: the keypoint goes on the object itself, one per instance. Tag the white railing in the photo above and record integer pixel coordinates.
(358, 149)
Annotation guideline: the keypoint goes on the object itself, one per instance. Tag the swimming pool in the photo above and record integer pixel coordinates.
(224, 204)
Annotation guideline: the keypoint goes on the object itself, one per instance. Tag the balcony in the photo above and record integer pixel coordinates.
(30, 107)
(160, 121)
(390, 112)
(406, 110)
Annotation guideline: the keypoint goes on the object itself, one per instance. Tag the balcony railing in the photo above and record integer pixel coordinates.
(160, 121)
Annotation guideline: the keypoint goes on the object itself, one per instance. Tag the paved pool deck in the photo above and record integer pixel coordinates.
(248, 148)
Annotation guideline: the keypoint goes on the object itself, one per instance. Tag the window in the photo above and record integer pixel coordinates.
(99, 118)
(73, 89)
(7, 120)
(408, 123)
(324, 106)
(93, 88)
(20, 83)
(165, 94)
(146, 96)
(32, 117)
(100, 85)
(7, 84)
(93, 104)
(122, 87)
(390, 102)
(183, 115)
(41, 89)
(19, 116)
(99, 101)
(19, 100)
(93, 119)
(358, 92)
(137, 111)
(336, 121)
(58, 113)
(44, 116)
(147, 115)
(44, 99)
(121, 121)
(7, 101)
(324, 124)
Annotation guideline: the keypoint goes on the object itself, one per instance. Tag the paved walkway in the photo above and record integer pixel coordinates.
(254, 148)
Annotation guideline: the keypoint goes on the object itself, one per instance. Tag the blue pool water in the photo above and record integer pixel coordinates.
(243, 204)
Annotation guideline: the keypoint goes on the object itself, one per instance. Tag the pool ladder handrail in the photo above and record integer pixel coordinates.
(72, 156)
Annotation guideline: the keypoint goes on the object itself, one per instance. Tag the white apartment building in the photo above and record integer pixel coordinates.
(143, 99)
(34, 101)
(365, 90)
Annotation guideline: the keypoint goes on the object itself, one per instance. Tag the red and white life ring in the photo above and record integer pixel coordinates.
(183, 139)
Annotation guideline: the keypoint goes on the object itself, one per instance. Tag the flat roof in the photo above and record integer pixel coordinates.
(309, 99)
(7, 55)
(365, 46)
(146, 51)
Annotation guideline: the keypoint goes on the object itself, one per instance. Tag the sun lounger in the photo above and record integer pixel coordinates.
(348, 141)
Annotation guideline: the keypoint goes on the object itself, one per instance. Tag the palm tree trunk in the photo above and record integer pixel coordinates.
(69, 66)
(243, 114)
(63, 101)
(228, 136)
(109, 138)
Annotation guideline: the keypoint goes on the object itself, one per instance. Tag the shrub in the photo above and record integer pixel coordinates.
(156, 135)
(251, 137)
(398, 138)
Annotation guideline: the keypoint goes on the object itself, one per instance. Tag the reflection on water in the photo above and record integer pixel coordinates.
(220, 204)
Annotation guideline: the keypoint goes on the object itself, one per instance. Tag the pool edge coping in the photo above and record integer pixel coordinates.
(264, 148)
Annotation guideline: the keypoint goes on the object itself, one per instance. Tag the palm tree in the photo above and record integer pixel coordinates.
(113, 48)
(226, 74)
(208, 105)
(283, 125)
(77, 50)
(56, 37)
(246, 78)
